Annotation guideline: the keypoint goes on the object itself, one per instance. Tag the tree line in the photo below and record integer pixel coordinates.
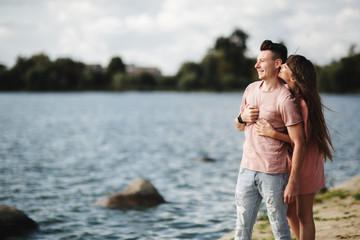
(223, 68)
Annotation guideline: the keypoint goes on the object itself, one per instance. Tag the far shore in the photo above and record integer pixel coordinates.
(336, 214)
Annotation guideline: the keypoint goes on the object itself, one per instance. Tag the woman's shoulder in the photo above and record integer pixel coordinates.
(303, 104)
(304, 109)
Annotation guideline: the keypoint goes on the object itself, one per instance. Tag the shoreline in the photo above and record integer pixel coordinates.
(336, 214)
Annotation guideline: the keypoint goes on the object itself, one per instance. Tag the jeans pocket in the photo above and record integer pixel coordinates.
(285, 179)
(242, 170)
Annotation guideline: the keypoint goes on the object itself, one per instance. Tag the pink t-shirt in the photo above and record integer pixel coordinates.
(279, 108)
(312, 178)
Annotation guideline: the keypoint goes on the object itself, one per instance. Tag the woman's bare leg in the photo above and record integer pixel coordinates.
(293, 219)
(305, 216)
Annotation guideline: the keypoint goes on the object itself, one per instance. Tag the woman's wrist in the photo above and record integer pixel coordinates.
(274, 135)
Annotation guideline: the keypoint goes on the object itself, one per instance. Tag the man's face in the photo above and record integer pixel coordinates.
(265, 65)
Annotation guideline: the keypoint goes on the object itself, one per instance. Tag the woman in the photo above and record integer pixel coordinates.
(300, 76)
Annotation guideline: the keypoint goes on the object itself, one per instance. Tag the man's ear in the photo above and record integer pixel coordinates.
(278, 63)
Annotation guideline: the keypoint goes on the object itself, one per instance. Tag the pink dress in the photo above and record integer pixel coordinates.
(312, 178)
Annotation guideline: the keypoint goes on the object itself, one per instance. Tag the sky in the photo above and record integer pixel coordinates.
(167, 33)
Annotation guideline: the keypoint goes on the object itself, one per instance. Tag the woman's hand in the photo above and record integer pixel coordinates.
(264, 128)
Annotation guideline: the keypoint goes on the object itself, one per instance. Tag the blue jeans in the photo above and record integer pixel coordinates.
(251, 188)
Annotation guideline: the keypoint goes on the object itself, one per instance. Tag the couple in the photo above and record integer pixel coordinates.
(286, 143)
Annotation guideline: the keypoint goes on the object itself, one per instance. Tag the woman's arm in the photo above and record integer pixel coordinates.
(264, 128)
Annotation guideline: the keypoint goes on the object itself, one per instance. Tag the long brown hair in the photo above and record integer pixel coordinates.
(306, 88)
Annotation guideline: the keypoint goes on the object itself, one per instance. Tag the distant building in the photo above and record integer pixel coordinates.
(133, 70)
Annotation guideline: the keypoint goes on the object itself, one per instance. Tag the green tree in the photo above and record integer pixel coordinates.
(4, 78)
(225, 66)
(210, 65)
(347, 76)
(115, 66)
(143, 81)
(342, 75)
(119, 82)
(167, 83)
(36, 76)
(189, 76)
(67, 74)
(16, 80)
(94, 78)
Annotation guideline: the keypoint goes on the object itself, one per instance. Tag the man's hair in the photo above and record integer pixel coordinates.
(279, 49)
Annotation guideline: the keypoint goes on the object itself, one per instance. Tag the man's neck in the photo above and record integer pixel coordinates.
(270, 84)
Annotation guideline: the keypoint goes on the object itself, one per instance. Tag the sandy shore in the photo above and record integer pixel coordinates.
(336, 214)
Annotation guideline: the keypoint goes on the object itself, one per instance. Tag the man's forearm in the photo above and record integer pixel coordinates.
(239, 126)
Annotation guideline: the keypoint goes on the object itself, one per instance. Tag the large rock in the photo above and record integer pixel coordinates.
(139, 193)
(14, 222)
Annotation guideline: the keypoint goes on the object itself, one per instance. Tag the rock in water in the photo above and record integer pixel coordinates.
(139, 193)
(14, 222)
(206, 159)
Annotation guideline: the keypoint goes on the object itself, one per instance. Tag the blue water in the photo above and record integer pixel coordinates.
(60, 152)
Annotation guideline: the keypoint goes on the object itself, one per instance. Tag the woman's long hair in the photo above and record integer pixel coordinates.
(306, 88)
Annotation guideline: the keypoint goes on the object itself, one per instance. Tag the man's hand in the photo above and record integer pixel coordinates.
(290, 193)
(250, 114)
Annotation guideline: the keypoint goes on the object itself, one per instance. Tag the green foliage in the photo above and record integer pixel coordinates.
(189, 77)
(143, 81)
(167, 83)
(119, 82)
(225, 66)
(116, 65)
(356, 196)
(341, 76)
(263, 217)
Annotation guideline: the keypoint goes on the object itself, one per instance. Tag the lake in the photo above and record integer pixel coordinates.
(60, 152)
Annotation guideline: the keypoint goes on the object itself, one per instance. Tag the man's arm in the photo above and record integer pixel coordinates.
(297, 136)
(239, 126)
(249, 115)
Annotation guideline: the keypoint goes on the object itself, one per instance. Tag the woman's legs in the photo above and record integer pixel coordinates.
(300, 217)
(305, 216)
(293, 219)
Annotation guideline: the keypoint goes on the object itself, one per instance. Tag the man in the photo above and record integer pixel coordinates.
(263, 172)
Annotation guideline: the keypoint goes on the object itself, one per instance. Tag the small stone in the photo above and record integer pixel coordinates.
(206, 159)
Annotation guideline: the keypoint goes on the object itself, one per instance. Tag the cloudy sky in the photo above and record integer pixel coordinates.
(166, 33)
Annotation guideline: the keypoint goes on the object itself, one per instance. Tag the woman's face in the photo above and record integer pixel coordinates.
(286, 75)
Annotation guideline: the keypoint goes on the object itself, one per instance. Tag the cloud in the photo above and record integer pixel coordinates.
(166, 33)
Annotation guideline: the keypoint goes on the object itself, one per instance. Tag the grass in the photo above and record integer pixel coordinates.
(356, 196)
(335, 219)
(342, 194)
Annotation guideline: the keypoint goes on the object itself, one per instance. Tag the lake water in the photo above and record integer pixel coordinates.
(60, 152)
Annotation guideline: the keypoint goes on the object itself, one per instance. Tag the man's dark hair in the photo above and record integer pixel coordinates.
(279, 49)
